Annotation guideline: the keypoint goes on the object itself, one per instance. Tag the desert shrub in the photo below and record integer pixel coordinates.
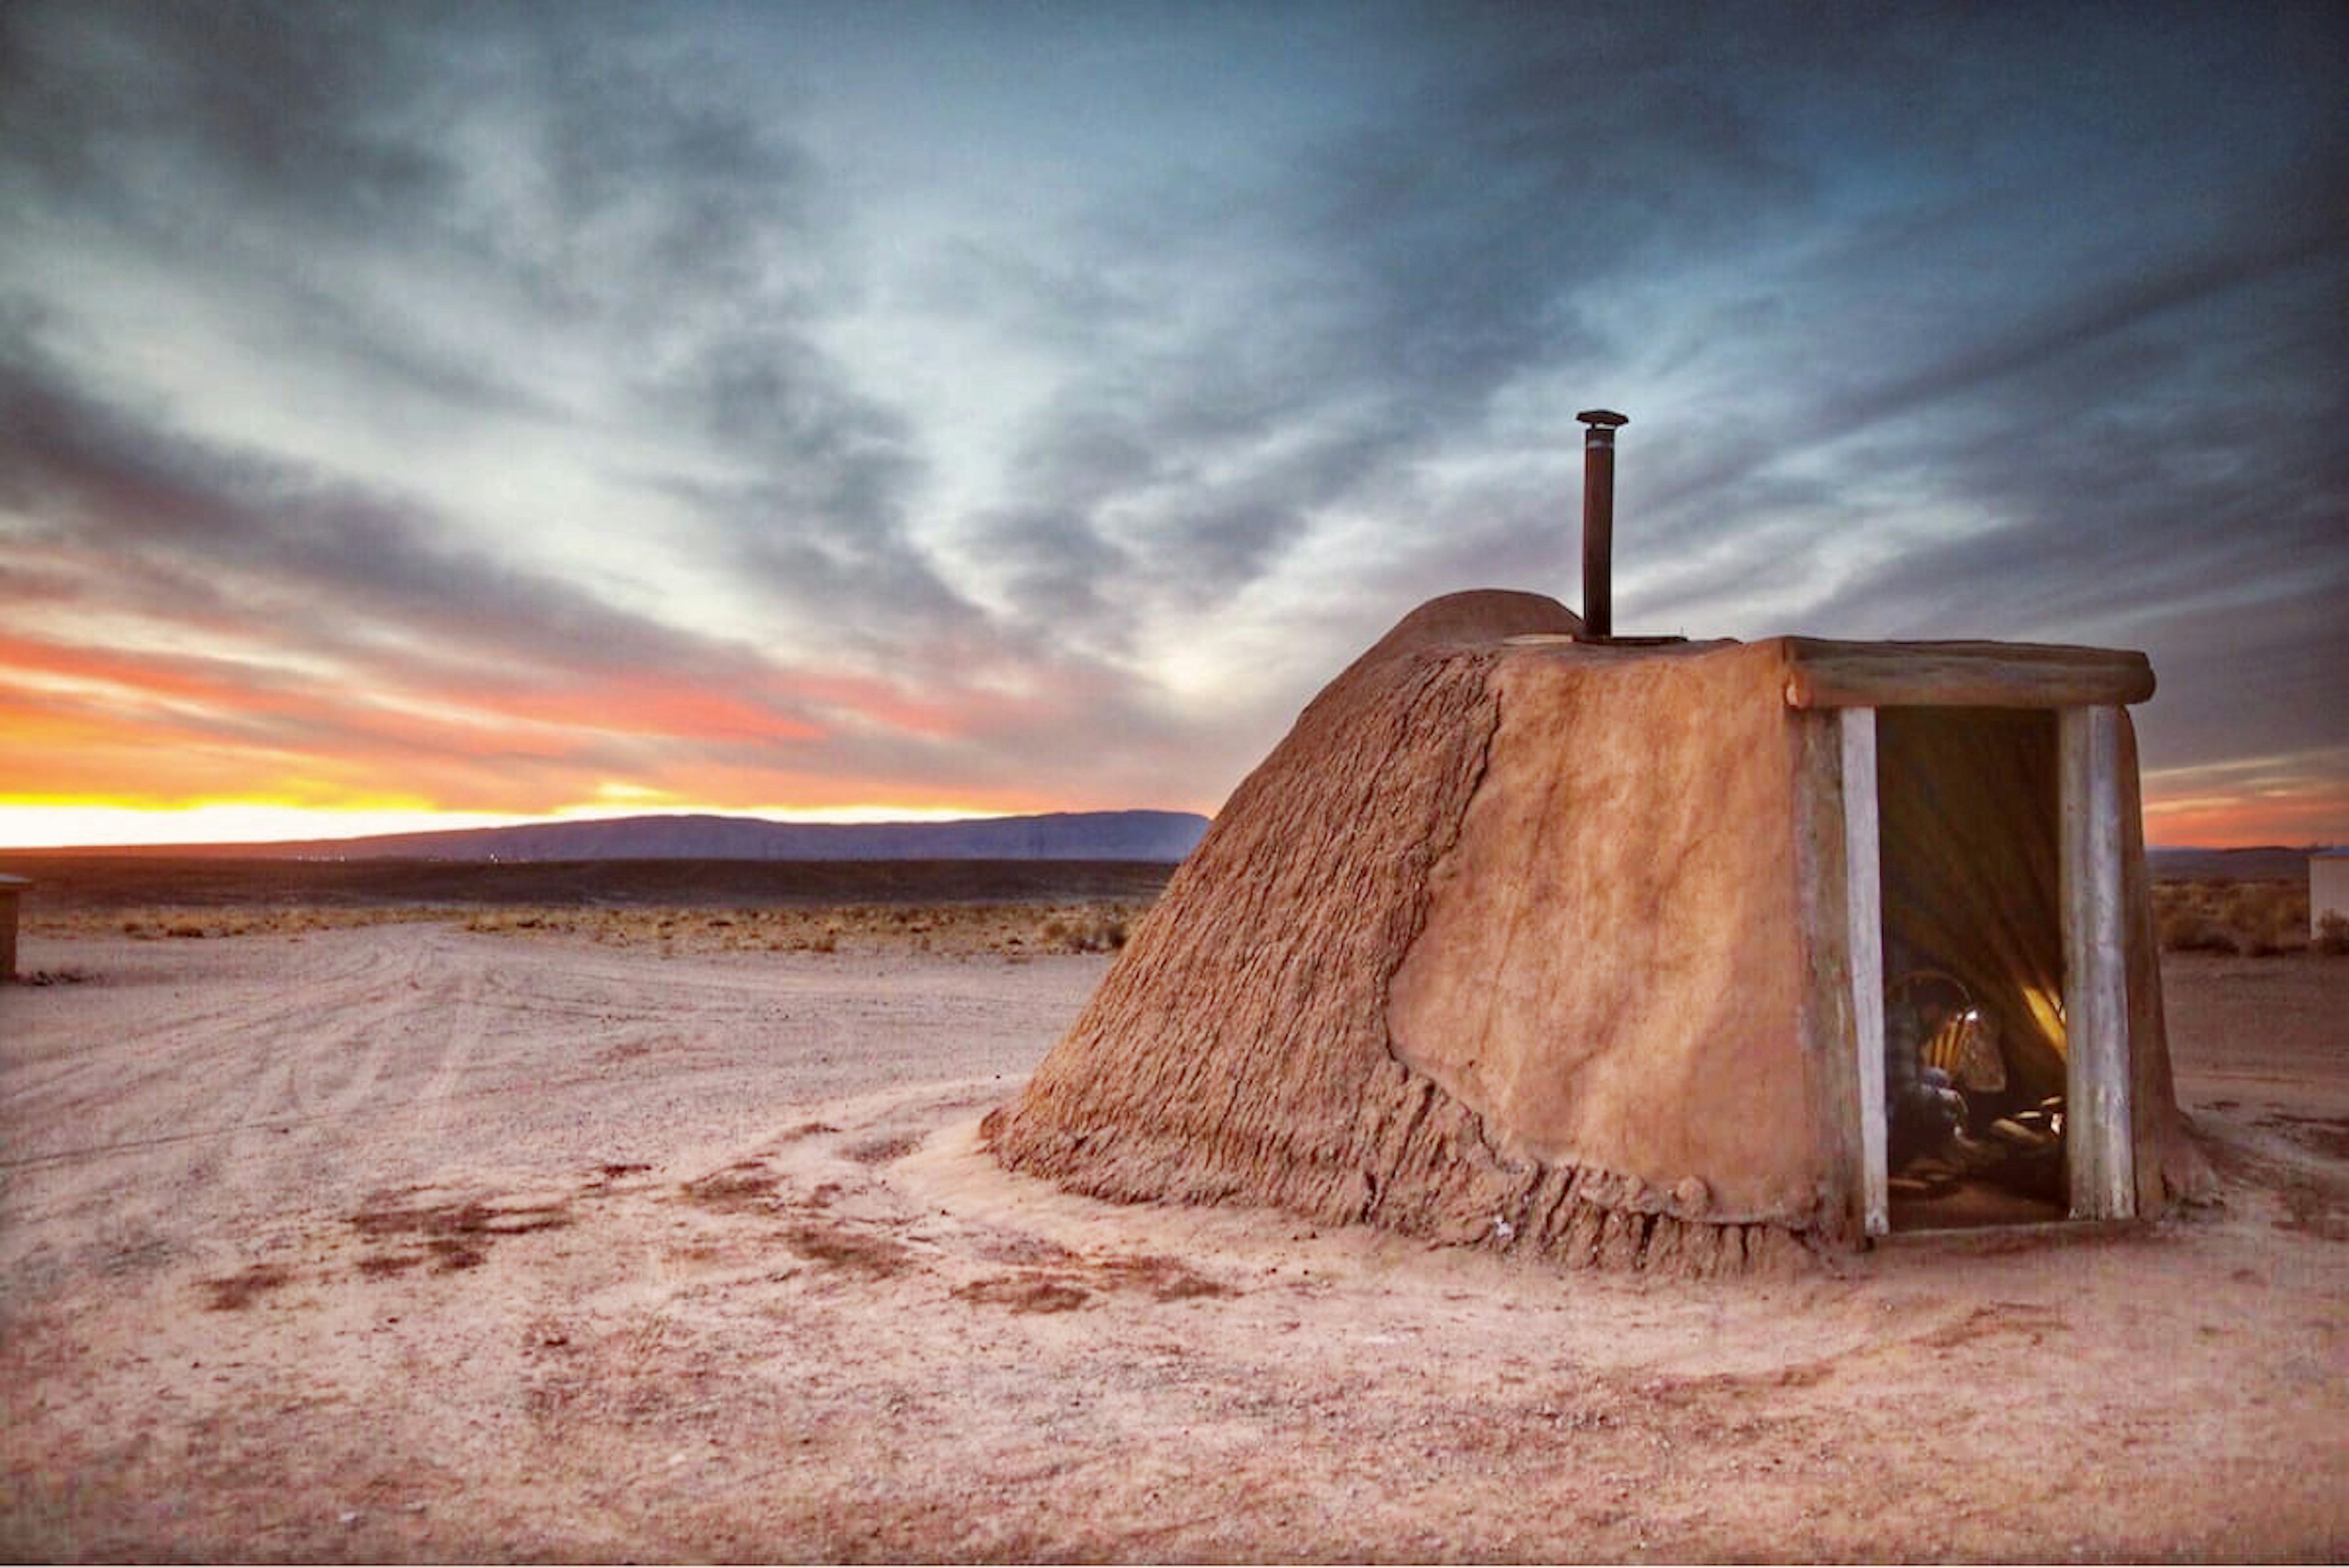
(2189, 931)
(2268, 918)
(1085, 932)
(2256, 920)
(2332, 933)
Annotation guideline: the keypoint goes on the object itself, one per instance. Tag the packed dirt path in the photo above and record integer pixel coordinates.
(409, 1243)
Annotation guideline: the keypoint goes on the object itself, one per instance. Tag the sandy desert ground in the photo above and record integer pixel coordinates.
(407, 1241)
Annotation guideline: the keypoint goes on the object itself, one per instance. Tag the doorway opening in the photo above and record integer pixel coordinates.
(1970, 868)
(1989, 995)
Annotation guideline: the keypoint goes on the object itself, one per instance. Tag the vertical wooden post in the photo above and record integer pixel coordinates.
(10, 889)
(2098, 1147)
(1864, 901)
(1823, 897)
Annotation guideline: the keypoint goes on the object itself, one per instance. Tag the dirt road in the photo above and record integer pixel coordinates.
(410, 1242)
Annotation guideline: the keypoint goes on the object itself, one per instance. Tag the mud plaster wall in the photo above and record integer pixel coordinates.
(2169, 1167)
(1611, 970)
(1239, 1050)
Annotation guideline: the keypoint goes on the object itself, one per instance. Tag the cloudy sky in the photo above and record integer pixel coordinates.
(502, 411)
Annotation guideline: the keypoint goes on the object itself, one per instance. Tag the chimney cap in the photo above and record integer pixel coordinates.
(1607, 417)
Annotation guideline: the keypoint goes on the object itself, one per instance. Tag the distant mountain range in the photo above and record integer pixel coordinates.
(1161, 835)
(2267, 862)
(1164, 836)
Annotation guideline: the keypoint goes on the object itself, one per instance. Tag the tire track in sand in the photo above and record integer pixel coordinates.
(203, 1104)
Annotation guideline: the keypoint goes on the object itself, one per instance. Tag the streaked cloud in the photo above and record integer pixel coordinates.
(819, 406)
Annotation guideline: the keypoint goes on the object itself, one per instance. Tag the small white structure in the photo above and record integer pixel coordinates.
(2328, 888)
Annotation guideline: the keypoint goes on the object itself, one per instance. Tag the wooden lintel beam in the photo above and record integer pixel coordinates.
(1821, 673)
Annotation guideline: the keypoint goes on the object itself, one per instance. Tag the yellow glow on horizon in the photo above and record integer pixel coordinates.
(613, 792)
(79, 826)
(69, 825)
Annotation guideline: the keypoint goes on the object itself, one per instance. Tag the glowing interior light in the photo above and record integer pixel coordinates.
(2046, 1008)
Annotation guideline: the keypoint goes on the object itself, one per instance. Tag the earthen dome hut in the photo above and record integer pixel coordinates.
(1585, 947)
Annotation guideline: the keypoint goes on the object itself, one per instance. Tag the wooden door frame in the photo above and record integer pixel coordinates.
(2099, 1150)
